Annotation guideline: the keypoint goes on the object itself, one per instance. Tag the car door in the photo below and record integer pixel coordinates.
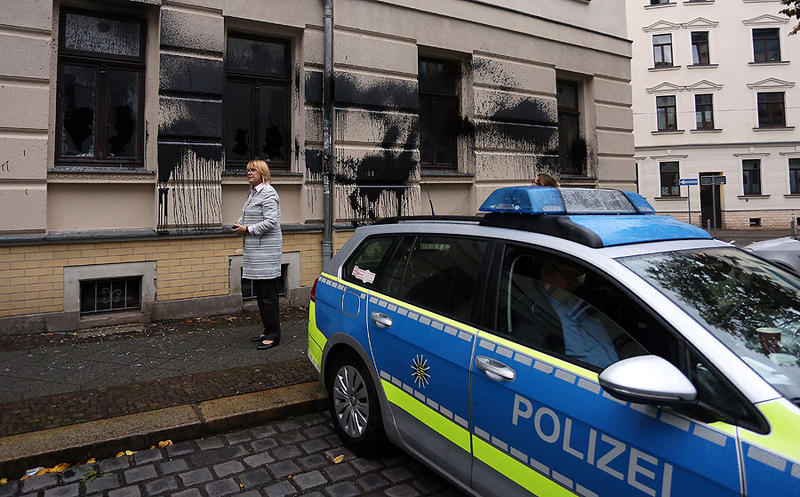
(422, 343)
(542, 423)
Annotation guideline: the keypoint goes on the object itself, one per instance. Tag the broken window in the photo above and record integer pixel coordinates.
(100, 91)
(256, 101)
(438, 113)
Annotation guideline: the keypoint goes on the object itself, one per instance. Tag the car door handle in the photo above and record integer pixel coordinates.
(494, 369)
(380, 319)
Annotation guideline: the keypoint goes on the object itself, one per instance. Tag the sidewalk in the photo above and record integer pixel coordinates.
(76, 393)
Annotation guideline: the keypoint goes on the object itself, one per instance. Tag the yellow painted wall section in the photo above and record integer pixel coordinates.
(32, 276)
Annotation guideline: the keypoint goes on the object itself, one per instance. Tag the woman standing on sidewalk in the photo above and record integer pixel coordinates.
(260, 225)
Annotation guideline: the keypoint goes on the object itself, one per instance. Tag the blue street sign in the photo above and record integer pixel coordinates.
(687, 181)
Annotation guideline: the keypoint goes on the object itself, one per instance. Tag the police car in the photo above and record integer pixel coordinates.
(567, 342)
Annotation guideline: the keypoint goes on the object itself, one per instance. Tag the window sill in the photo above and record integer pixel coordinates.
(444, 176)
(774, 128)
(670, 198)
(667, 132)
(660, 69)
(701, 66)
(748, 197)
(698, 2)
(237, 177)
(771, 63)
(709, 130)
(791, 195)
(660, 5)
(95, 174)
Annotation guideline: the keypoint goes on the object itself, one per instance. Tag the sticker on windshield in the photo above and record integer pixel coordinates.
(364, 275)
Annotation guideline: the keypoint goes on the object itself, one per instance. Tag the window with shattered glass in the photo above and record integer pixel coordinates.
(256, 101)
(100, 91)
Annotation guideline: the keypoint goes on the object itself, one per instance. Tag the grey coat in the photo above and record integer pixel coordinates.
(262, 248)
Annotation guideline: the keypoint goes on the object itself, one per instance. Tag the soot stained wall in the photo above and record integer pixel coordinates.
(190, 120)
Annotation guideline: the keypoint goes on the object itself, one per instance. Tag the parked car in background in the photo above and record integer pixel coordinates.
(783, 252)
(570, 342)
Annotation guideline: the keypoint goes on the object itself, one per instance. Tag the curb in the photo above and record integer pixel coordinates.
(104, 438)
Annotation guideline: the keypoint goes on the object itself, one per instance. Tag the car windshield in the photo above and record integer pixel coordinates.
(747, 303)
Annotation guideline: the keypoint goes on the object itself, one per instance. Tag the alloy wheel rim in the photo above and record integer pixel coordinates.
(350, 401)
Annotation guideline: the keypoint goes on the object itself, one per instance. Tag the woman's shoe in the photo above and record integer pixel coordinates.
(265, 346)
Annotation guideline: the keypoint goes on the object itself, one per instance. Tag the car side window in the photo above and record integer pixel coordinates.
(363, 267)
(438, 273)
(545, 302)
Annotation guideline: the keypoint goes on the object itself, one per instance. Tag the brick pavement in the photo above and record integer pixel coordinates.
(292, 456)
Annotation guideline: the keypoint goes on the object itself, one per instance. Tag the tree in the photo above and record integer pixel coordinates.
(793, 10)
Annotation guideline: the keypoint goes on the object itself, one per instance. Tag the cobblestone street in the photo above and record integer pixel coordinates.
(294, 456)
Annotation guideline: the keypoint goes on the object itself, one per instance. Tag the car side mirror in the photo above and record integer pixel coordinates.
(647, 379)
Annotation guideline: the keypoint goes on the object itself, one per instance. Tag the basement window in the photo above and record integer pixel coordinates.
(755, 221)
(249, 290)
(110, 295)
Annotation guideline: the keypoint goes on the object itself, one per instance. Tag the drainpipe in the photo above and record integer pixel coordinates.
(327, 134)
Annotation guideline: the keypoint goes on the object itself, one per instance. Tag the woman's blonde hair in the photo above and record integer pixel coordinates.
(262, 168)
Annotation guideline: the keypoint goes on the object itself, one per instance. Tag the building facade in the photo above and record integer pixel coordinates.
(715, 95)
(127, 124)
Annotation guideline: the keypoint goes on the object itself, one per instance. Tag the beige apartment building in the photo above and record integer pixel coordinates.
(715, 94)
(126, 126)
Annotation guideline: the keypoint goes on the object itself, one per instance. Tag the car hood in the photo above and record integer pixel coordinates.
(784, 243)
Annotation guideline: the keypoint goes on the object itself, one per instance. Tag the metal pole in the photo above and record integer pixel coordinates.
(689, 201)
(714, 203)
(327, 135)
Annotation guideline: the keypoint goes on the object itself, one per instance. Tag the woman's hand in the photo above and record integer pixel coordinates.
(240, 229)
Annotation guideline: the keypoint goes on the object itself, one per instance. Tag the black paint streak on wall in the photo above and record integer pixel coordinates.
(313, 88)
(171, 160)
(182, 74)
(375, 93)
(375, 174)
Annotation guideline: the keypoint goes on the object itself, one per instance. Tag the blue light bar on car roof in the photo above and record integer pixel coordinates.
(545, 200)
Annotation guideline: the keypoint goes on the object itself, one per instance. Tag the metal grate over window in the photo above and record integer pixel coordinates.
(111, 295)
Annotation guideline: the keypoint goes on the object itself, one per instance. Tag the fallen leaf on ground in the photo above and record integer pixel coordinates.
(60, 467)
(24, 477)
(164, 443)
(91, 461)
(338, 459)
(126, 453)
(3, 481)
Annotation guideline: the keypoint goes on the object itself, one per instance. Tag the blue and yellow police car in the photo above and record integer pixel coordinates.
(566, 342)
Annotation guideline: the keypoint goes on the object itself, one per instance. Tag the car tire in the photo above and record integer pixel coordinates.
(354, 406)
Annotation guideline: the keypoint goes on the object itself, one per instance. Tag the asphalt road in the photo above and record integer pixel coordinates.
(293, 456)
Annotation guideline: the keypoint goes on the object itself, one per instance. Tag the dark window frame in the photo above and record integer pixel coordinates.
(428, 96)
(101, 62)
(661, 49)
(701, 49)
(566, 156)
(670, 111)
(751, 176)
(704, 111)
(771, 114)
(794, 176)
(256, 81)
(761, 44)
(673, 184)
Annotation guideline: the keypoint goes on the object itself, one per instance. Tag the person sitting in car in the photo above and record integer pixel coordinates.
(586, 337)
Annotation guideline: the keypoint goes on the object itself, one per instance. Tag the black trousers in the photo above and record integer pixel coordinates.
(267, 298)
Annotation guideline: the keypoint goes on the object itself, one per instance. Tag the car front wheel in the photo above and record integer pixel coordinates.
(354, 405)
